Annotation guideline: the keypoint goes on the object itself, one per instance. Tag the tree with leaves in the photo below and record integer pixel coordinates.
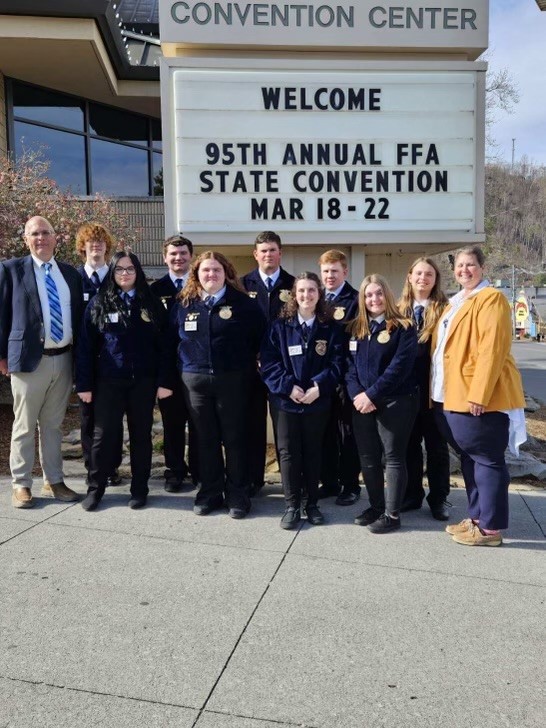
(26, 190)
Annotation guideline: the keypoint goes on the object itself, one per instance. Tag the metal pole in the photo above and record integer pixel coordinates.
(513, 151)
(513, 301)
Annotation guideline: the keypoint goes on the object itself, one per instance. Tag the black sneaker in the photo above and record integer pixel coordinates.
(114, 478)
(328, 491)
(348, 497)
(291, 518)
(440, 510)
(384, 524)
(314, 516)
(370, 515)
(137, 502)
(91, 500)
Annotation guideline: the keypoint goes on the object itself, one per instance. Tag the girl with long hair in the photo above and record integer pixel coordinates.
(215, 333)
(301, 365)
(117, 365)
(382, 385)
(423, 301)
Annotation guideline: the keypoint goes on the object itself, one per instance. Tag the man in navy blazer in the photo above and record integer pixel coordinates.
(177, 254)
(39, 319)
(340, 465)
(271, 286)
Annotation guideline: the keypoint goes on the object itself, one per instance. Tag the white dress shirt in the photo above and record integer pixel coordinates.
(274, 277)
(64, 297)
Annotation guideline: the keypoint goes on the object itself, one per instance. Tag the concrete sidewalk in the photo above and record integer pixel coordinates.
(158, 617)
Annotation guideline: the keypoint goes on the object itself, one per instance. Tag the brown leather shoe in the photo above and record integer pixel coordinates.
(22, 498)
(60, 492)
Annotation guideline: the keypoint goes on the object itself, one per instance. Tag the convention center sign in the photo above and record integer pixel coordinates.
(319, 146)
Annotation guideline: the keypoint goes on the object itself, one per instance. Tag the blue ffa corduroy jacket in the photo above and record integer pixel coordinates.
(88, 286)
(272, 302)
(119, 351)
(223, 339)
(382, 370)
(346, 303)
(286, 362)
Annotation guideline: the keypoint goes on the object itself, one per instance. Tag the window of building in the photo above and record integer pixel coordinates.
(92, 148)
(66, 153)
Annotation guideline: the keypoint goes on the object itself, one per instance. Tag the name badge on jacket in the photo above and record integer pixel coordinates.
(86, 297)
(353, 345)
(113, 318)
(295, 350)
(190, 325)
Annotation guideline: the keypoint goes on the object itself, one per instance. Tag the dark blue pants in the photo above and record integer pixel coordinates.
(386, 431)
(481, 443)
(300, 440)
(174, 414)
(113, 398)
(425, 428)
(87, 428)
(218, 406)
(340, 463)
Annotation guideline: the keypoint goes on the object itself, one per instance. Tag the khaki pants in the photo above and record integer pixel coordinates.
(39, 398)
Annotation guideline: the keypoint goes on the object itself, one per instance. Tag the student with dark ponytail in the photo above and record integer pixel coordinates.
(117, 368)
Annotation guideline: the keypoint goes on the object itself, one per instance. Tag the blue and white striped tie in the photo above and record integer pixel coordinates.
(54, 305)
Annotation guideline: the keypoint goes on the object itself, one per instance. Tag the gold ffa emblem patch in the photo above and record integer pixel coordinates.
(253, 294)
(339, 313)
(320, 346)
(285, 295)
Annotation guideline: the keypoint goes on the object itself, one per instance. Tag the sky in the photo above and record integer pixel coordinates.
(517, 42)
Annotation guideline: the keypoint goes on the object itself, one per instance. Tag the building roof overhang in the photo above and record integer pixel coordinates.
(77, 48)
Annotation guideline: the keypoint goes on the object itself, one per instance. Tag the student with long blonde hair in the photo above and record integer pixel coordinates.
(423, 301)
(382, 385)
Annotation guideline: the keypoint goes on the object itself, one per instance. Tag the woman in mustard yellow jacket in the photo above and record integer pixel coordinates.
(478, 397)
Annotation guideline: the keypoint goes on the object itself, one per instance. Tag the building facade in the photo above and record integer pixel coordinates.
(82, 81)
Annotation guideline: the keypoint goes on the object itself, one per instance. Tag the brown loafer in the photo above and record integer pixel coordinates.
(59, 491)
(22, 498)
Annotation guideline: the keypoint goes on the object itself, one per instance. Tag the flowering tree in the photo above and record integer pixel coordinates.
(26, 190)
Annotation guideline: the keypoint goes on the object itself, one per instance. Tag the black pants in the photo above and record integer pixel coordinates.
(217, 405)
(340, 463)
(87, 427)
(114, 398)
(174, 414)
(300, 440)
(387, 430)
(257, 431)
(425, 428)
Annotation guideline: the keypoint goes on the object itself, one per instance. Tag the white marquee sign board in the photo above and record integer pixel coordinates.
(379, 153)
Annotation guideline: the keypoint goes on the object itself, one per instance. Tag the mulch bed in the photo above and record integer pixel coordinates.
(71, 422)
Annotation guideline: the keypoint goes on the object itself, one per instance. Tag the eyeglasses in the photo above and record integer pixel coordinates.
(130, 270)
